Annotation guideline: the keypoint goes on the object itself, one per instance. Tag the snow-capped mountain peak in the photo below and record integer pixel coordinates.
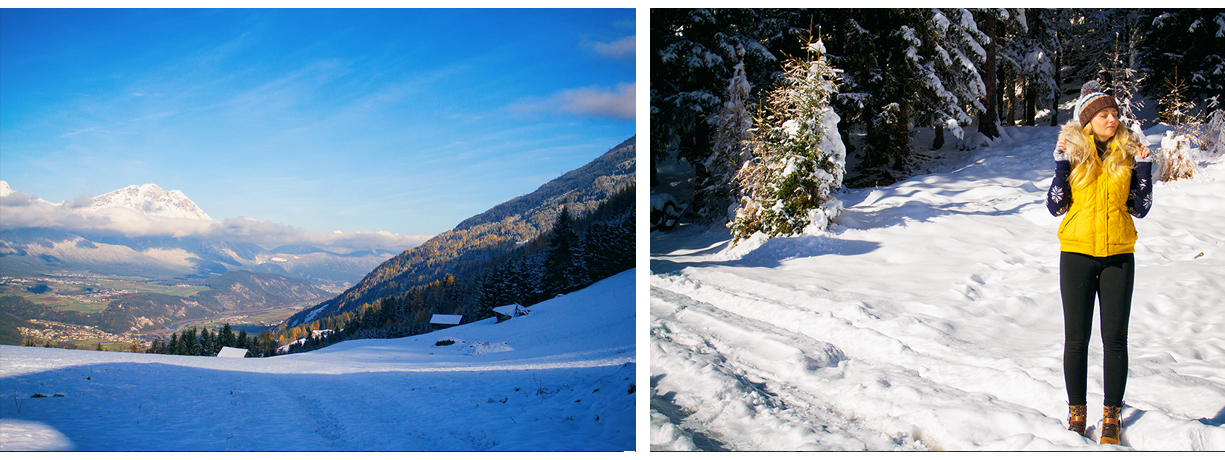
(151, 200)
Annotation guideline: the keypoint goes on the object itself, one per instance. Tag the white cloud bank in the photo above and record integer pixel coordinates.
(21, 210)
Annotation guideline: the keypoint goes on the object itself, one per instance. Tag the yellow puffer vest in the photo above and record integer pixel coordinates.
(1097, 223)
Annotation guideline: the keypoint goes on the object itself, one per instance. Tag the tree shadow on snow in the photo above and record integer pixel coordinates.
(773, 253)
(917, 211)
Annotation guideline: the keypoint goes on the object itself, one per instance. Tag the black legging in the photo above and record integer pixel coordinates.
(1110, 279)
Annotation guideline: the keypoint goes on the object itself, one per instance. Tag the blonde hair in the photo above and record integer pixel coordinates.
(1082, 152)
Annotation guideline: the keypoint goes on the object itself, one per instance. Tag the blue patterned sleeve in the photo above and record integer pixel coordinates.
(1140, 198)
(1059, 197)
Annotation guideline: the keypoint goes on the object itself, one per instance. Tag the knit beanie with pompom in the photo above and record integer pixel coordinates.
(1093, 100)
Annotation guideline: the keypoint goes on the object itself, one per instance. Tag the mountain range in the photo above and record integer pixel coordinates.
(41, 248)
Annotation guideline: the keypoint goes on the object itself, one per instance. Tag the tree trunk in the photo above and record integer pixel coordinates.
(1006, 108)
(939, 142)
(1031, 104)
(654, 174)
(987, 120)
(1058, 93)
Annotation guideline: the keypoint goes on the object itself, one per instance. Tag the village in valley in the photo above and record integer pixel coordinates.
(64, 335)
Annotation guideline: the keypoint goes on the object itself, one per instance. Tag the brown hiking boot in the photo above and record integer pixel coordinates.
(1076, 419)
(1110, 425)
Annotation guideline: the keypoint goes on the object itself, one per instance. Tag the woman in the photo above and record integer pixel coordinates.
(1103, 177)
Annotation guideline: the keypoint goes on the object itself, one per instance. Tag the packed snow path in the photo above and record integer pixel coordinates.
(929, 318)
(556, 379)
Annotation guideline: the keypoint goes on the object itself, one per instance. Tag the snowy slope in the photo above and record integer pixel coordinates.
(557, 379)
(929, 318)
(150, 200)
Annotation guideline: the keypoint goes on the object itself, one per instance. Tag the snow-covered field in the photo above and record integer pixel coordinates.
(929, 318)
(557, 379)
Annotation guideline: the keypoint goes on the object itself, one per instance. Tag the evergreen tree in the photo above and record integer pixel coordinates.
(798, 156)
(241, 342)
(693, 55)
(1095, 35)
(881, 86)
(730, 150)
(206, 342)
(560, 257)
(1191, 40)
(227, 336)
(1028, 48)
(191, 343)
(945, 47)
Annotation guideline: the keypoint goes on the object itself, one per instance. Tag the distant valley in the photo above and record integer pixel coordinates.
(131, 309)
(71, 264)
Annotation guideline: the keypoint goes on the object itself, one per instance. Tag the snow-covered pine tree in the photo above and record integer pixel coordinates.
(945, 47)
(1190, 39)
(798, 156)
(1011, 49)
(1029, 50)
(1095, 35)
(692, 58)
(881, 87)
(730, 148)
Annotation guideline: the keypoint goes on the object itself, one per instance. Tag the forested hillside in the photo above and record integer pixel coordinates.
(572, 255)
(470, 246)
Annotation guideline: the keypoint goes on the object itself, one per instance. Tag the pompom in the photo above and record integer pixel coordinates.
(1090, 87)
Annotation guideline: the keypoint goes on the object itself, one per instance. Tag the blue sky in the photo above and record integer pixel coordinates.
(405, 121)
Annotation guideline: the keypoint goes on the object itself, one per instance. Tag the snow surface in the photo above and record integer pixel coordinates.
(558, 379)
(929, 318)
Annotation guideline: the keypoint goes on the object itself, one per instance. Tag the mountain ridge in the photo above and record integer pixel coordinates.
(479, 239)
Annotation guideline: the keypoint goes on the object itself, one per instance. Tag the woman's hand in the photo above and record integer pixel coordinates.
(1143, 152)
(1060, 151)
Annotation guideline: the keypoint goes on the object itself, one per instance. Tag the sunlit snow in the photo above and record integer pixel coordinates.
(557, 379)
(929, 318)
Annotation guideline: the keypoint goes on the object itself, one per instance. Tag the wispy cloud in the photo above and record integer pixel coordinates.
(92, 131)
(592, 101)
(622, 48)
